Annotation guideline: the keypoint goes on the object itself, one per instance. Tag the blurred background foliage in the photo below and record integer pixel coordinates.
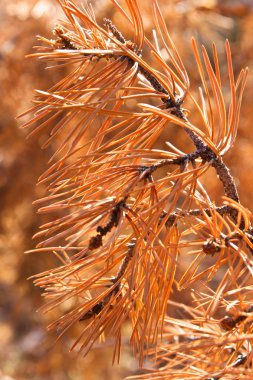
(28, 351)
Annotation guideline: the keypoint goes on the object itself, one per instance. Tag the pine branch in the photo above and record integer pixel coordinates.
(110, 189)
(203, 150)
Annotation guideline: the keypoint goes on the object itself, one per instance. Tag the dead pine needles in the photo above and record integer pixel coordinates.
(134, 228)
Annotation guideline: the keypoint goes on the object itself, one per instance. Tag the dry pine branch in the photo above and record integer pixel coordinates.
(134, 225)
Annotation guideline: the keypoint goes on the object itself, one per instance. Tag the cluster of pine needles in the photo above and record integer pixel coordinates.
(133, 227)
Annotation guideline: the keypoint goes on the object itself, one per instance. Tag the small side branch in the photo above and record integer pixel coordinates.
(114, 30)
(213, 245)
(96, 309)
(96, 241)
(228, 182)
(175, 216)
(180, 161)
(153, 81)
(125, 262)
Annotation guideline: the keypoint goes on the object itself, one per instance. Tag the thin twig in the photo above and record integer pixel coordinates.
(96, 309)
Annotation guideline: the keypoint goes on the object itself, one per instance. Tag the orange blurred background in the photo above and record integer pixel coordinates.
(28, 351)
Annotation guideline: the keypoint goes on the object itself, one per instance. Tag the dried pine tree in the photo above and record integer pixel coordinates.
(134, 224)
